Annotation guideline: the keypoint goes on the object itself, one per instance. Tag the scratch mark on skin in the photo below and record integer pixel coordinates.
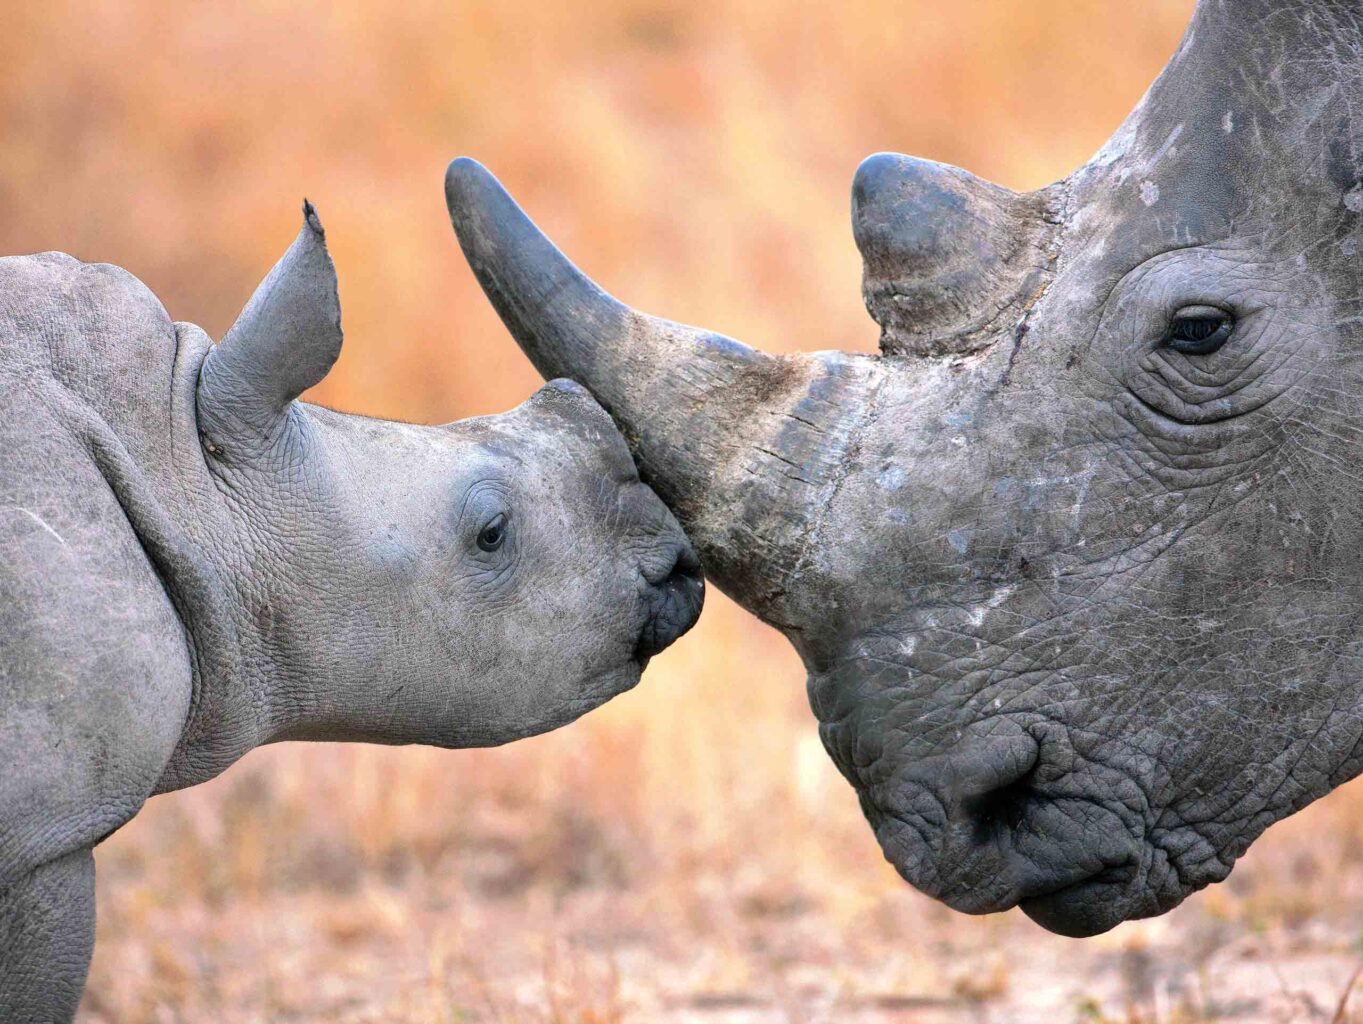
(37, 519)
(1167, 147)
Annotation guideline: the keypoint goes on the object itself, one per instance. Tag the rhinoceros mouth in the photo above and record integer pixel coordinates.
(673, 599)
(1088, 907)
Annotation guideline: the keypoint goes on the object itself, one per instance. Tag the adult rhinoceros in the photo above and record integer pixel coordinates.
(1076, 564)
(193, 563)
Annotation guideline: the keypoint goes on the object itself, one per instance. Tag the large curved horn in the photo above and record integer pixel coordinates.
(742, 445)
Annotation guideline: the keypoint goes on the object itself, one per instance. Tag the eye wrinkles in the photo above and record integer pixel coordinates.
(1264, 359)
(484, 536)
(1201, 338)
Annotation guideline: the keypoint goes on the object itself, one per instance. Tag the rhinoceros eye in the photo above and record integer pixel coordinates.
(491, 536)
(1199, 330)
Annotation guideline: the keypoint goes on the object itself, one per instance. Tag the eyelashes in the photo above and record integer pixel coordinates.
(1199, 331)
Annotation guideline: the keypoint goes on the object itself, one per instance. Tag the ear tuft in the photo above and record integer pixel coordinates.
(311, 219)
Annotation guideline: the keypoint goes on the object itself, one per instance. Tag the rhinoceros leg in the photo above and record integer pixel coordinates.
(47, 932)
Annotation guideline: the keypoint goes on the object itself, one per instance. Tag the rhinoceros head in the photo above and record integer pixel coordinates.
(464, 584)
(1076, 564)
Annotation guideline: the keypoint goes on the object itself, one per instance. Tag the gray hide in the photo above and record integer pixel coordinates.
(193, 563)
(1075, 563)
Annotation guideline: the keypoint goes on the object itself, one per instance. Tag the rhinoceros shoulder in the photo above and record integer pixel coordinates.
(110, 348)
(97, 331)
(95, 677)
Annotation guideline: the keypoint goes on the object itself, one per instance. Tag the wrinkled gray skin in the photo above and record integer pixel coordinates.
(193, 563)
(1080, 610)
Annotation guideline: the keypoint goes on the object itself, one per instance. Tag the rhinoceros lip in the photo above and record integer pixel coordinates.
(1031, 890)
(1088, 907)
(1075, 907)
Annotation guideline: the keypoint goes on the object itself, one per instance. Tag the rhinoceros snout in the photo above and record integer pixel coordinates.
(675, 596)
(999, 818)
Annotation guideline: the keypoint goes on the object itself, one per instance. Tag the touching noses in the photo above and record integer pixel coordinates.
(675, 591)
(671, 580)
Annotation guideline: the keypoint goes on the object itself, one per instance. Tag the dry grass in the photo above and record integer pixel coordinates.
(686, 854)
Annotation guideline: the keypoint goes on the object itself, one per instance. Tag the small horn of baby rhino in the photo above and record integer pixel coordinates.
(1075, 564)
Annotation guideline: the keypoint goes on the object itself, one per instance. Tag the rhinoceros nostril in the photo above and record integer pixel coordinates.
(993, 785)
(1000, 809)
(687, 563)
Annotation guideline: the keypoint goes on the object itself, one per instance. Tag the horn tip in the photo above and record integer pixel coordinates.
(467, 182)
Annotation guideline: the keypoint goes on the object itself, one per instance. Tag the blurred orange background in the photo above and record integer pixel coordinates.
(688, 852)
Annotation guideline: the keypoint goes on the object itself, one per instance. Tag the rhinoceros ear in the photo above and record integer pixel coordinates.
(284, 342)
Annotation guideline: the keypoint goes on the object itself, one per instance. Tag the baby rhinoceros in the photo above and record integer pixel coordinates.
(193, 563)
